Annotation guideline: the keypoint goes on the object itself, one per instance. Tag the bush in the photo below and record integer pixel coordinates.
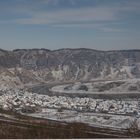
(83, 87)
(29, 110)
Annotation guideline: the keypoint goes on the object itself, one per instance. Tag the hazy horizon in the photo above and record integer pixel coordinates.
(56, 24)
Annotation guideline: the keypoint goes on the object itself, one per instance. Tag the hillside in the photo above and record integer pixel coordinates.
(42, 65)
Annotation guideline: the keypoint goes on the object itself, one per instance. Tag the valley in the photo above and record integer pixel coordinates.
(97, 88)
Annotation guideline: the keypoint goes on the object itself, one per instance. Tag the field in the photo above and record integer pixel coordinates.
(17, 126)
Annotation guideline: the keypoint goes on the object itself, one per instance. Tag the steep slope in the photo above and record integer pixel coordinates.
(83, 64)
(42, 65)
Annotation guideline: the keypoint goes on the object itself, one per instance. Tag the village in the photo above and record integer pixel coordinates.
(15, 100)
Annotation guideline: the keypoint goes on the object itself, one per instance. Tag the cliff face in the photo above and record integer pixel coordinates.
(41, 65)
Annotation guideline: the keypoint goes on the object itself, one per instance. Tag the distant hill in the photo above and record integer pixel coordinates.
(43, 65)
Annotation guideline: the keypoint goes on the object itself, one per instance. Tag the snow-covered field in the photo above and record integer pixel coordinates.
(93, 119)
(128, 86)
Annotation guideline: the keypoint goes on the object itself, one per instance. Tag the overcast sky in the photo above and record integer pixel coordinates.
(54, 24)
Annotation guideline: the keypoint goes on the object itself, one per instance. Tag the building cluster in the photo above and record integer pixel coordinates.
(12, 100)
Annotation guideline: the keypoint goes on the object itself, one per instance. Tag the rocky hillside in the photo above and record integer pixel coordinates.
(42, 65)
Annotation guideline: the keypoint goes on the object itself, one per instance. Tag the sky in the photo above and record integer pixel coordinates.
(55, 24)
